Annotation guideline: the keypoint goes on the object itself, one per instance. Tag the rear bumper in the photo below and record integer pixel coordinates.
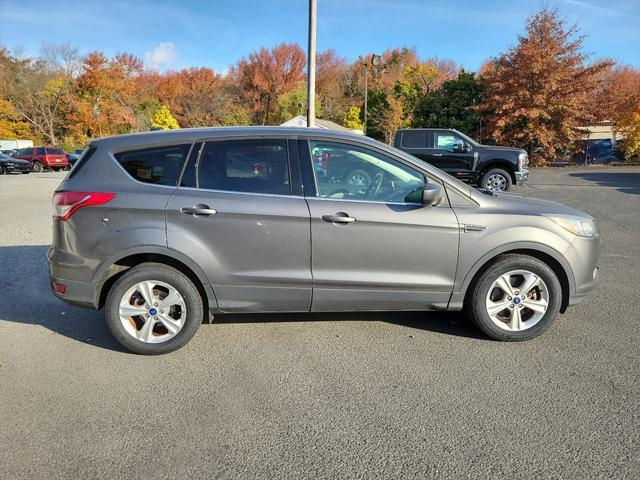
(76, 293)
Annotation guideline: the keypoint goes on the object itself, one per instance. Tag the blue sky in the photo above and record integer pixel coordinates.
(215, 33)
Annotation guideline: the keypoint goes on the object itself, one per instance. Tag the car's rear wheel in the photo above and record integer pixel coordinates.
(37, 167)
(496, 180)
(153, 309)
(516, 298)
(2, 170)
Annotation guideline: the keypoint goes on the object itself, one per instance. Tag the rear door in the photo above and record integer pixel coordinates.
(239, 213)
(377, 247)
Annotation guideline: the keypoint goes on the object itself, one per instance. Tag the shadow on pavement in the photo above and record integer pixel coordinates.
(624, 182)
(27, 299)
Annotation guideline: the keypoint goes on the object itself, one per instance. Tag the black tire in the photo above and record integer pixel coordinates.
(163, 273)
(26, 173)
(364, 179)
(476, 301)
(496, 180)
(56, 169)
(2, 170)
(37, 167)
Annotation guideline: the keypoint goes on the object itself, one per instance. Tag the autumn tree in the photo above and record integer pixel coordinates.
(617, 99)
(38, 89)
(266, 75)
(538, 92)
(11, 125)
(352, 118)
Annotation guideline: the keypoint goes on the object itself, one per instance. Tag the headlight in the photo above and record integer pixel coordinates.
(523, 161)
(583, 227)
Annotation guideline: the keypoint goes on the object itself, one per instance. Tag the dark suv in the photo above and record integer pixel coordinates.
(42, 158)
(162, 228)
(492, 168)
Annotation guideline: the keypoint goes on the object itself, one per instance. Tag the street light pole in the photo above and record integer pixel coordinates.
(311, 65)
(366, 96)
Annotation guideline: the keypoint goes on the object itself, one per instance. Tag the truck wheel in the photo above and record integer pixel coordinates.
(37, 167)
(517, 298)
(496, 180)
(153, 309)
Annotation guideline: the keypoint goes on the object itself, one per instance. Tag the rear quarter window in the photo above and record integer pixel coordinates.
(54, 151)
(156, 165)
(414, 139)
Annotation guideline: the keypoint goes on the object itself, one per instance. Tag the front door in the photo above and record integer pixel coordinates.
(376, 247)
(238, 220)
(444, 156)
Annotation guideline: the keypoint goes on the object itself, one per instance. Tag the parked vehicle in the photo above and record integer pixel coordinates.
(8, 151)
(42, 158)
(13, 165)
(72, 158)
(492, 168)
(177, 224)
(15, 144)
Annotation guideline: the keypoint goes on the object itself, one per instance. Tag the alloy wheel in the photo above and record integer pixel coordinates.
(496, 183)
(517, 300)
(152, 311)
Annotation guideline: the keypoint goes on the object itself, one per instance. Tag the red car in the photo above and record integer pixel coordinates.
(42, 158)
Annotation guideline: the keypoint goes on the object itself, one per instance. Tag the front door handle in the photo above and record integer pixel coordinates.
(199, 210)
(339, 217)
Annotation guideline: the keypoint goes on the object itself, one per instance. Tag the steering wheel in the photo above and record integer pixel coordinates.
(374, 189)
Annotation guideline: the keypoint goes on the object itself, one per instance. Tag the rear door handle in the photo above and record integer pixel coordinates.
(339, 217)
(199, 210)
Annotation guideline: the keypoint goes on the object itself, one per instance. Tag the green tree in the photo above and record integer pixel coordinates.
(163, 119)
(454, 105)
(352, 119)
(294, 103)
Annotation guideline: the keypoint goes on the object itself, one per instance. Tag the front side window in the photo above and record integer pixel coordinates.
(40, 151)
(446, 140)
(350, 172)
(157, 165)
(251, 166)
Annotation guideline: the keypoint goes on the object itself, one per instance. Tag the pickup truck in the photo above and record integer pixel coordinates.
(490, 167)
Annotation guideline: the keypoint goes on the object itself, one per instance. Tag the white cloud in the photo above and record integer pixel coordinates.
(161, 57)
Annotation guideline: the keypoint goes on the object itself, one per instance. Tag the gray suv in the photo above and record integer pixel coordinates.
(161, 228)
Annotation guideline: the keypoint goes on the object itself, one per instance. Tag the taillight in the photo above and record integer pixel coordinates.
(66, 204)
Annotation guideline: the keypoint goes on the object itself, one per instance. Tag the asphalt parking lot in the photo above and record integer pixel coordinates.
(395, 395)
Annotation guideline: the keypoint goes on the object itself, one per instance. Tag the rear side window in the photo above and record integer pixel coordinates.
(253, 166)
(54, 151)
(40, 151)
(414, 139)
(157, 165)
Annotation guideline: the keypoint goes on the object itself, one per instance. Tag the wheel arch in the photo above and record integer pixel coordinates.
(115, 266)
(499, 163)
(545, 254)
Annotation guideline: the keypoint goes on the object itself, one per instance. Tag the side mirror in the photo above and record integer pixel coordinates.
(431, 194)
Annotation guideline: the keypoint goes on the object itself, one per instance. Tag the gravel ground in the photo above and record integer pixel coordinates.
(394, 395)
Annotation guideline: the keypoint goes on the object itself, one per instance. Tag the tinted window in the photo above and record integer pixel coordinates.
(255, 166)
(40, 151)
(351, 172)
(54, 151)
(414, 139)
(82, 161)
(158, 165)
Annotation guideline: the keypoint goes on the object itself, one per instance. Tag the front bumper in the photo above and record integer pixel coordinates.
(522, 177)
(17, 168)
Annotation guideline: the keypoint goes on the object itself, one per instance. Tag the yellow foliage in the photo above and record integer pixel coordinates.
(11, 127)
(163, 119)
(630, 128)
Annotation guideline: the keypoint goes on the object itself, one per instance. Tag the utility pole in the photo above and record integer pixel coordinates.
(366, 96)
(311, 65)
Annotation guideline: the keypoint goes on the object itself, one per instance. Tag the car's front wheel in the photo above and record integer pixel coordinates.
(153, 309)
(496, 180)
(37, 167)
(2, 170)
(515, 299)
